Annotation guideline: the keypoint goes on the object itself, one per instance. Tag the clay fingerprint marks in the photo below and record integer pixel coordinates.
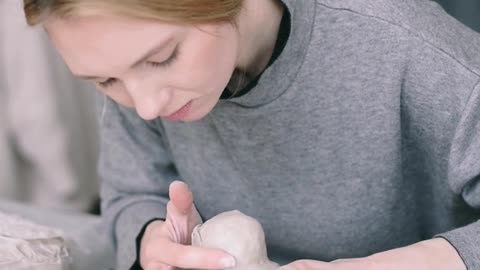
(26, 245)
(238, 234)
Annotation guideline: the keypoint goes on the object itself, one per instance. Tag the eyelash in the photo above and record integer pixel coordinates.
(166, 63)
(107, 83)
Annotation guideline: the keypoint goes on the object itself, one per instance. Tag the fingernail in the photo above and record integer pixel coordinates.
(228, 262)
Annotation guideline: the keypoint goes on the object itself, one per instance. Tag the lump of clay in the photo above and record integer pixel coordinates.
(239, 235)
(28, 246)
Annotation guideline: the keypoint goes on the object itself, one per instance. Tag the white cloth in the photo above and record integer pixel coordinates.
(47, 130)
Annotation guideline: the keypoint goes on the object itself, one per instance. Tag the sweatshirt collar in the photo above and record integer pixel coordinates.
(276, 78)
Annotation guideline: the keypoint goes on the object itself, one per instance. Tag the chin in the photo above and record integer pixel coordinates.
(194, 118)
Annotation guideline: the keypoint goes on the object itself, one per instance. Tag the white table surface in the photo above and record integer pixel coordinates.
(93, 251)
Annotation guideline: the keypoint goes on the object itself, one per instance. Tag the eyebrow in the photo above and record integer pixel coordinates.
(156, 49)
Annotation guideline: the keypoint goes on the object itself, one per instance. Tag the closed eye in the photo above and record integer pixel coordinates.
(109, 82)
(165, 63)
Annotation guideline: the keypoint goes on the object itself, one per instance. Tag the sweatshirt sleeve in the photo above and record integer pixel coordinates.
(464, 178)
(135, 171)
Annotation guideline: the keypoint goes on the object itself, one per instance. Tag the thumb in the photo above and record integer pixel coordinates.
(182, 216)
(181, 198)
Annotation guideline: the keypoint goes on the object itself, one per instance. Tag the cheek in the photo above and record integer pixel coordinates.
(216, 70)
(210, 64)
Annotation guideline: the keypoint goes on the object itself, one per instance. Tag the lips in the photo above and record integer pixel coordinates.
(181, 113)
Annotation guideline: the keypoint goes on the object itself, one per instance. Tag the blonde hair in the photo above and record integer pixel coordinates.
(175, 11)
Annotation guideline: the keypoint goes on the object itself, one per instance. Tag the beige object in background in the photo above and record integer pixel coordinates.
(48, 133)
(25, 245)
(239, 235)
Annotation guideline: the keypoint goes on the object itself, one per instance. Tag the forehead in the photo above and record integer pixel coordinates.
(106, 41)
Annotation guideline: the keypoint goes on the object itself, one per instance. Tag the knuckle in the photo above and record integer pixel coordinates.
(373, 263)
(154, 228)
(149, 252)
(299, 265)
(153, 266)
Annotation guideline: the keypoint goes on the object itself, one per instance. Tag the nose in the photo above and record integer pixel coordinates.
(149, 102)
(150, 106)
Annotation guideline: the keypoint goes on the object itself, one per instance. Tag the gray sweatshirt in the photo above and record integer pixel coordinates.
(361, 137)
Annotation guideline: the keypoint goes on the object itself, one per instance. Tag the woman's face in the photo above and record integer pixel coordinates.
(162, 70)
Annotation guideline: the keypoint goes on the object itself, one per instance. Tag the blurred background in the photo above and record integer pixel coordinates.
(48, 132)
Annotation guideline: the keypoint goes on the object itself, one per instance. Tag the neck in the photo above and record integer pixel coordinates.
(258, 26)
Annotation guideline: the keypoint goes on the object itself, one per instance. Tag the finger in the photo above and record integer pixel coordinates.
(157, 266)
(177, 226)
(305, 265)
(183, 256)
(181, 197)
(182, 216)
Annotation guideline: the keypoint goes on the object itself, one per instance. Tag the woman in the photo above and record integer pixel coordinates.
(347, 128)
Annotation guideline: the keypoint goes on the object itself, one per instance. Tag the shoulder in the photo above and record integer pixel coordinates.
(421, 23)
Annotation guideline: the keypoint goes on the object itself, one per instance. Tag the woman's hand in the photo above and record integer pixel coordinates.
(167, 245)
(435, 254)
